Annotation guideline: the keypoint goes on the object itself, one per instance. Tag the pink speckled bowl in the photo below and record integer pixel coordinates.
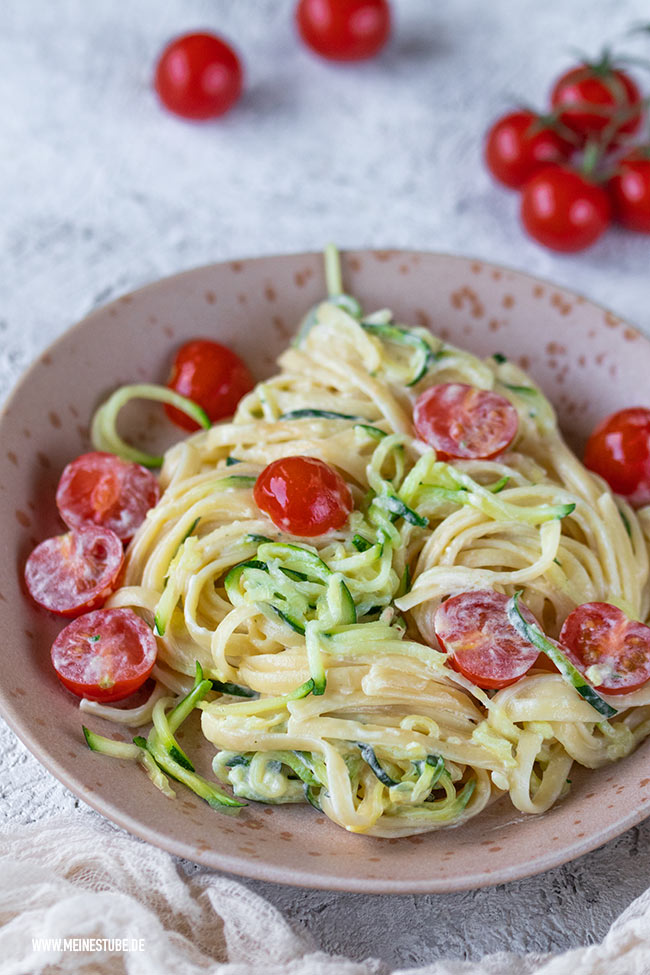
(588, 361)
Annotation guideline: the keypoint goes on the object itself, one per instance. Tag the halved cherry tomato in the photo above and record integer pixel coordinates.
(105, 655)
(104, 489)
(598, 101)
(563, 210)
(630, 190)
(521, 143)
(461, 421)
(601, 636)
(619, 450)
(303, 496)
(73, 573)
(213, 376)
(344, 30)
(482, 644)
(198, 76)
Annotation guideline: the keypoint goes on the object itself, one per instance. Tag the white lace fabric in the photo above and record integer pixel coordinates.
(60, 880)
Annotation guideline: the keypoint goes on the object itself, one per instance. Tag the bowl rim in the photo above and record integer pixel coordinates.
(239, 864)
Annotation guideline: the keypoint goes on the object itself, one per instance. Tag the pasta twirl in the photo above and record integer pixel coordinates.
(351, 704)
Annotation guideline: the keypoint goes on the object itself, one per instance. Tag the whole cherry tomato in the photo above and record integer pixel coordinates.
(198, 76)
(564, 210)
(520, 144)
(598, 101)
(630, 190)
(619, 450)
(213, 376)
(344, 30)
(303, 496)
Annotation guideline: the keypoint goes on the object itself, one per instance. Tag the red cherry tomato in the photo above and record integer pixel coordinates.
(598, 101)
(520, 144)
(213, 376)
(630, 190)
(601, 636)
(73, 573)
(303, 496)
(198, 76)
(619, 450)
(105, 655)
(106, 490)
(461, 421)
(563, 210)
(344, 30)
(482, 644)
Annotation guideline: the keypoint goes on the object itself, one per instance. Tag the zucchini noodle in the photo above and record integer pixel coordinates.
(329, 686)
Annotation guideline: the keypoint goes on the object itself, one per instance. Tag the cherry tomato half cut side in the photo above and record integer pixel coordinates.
(213, 376)
(619, 450)
(105, 655)
(76, 572)
(482, 644)
(303, 496)
(104, 489)
(463, 422)
(601, 636)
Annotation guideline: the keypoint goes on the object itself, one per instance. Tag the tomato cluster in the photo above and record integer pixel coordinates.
(200, 76)
(578, 167)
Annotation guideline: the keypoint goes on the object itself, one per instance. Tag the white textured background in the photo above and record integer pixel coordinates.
(101, 191)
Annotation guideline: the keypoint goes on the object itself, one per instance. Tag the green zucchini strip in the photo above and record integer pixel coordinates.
(306, 414)
(369, 757)
(371, 431)
(235, 690)
(107, 746)
(200, 786)
(137, 751)
(571, 674)
(405, 336)
(334, 283)
(103, 429)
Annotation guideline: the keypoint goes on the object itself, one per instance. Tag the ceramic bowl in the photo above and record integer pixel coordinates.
(588, 361)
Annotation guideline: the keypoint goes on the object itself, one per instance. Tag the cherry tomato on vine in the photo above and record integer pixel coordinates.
(462, 421)
(619, 450)
(73, 573)
(213, 376)
(344, 30)
(482, 644)
(198, 76)
(105, 655)
(601, 636)
(105, 490)
(598, 101)
(303, 496)
(520, 144)
(630, 190)
(564, 210)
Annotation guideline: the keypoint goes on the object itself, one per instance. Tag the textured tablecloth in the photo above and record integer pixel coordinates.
(101, 191)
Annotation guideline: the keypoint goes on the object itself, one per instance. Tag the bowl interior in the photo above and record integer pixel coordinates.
(585, 358)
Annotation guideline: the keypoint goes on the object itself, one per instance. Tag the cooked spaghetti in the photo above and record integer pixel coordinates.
(329, 685)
